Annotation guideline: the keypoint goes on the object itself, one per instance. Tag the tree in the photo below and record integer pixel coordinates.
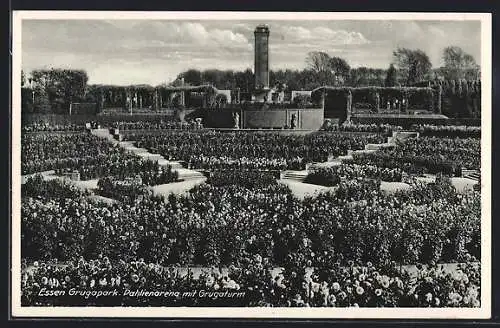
(214, 77)
(220, 99)
(318, 61)
(390, 80)
(340, 68)
(459, 64)
(60, 87)
(328, 70)
(191, 77)
(414, 65)
(23, 78)
(244, 80)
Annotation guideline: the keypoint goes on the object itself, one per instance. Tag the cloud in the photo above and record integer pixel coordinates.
(321, 34)
(151, 51)
(187, 33)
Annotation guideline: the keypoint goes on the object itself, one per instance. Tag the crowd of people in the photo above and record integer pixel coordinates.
(331, 176)
(427, 155)
(251, 150)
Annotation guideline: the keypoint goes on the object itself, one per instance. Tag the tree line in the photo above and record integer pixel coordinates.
(54, 89)
(408, 67)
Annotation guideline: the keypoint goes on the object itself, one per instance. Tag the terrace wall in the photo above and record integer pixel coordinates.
(306, 119)
(83, 118)
(404, 121)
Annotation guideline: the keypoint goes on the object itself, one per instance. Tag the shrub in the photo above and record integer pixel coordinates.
(324, 177)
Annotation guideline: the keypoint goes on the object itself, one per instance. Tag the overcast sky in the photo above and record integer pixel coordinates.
(155, 51)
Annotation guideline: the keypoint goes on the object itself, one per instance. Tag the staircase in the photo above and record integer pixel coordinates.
(471, 174)
(404, 135)
(335, 161)
(294, 175)
(184, 174)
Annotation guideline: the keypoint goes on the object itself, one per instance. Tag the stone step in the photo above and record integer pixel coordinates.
(300, 179)
(177, 165)
(126, 143)
(163, 162)
(470, 171)
(363, 151)
(151, 157)
(331, 163)
(294, 175)
(140, 150)
(173, 165)
(345, 157)
(378, 146)
(289, 174)
(403, 135)
(473, 176)
(185, 174)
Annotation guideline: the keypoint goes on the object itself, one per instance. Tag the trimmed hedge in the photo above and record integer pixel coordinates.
(460, 98)
(422, 98)
(124, 191)
(36, 186)
(449, 131)
(409, 163)
(250, 179)
(324, 177)
(331, 176)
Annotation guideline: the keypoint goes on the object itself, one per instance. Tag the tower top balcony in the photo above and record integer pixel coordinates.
(263, 28)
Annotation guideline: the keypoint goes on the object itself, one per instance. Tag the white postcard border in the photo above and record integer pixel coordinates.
(483, 312)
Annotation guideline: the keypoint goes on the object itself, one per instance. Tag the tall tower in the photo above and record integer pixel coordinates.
(261, 57)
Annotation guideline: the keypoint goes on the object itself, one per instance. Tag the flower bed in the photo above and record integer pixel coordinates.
(427, 155)
(332, 286)
(250, 151)
(374, 128)
(248, 179)
(448, 131)
(332, 176)
(46, 127)
(125, 191)
(223, 224)
(91, 156)
(36, 186)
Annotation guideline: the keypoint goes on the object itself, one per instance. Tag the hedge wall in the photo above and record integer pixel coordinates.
(460, 98)
(365, 99)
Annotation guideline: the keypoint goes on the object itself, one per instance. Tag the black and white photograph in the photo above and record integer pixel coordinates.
(251, 164)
